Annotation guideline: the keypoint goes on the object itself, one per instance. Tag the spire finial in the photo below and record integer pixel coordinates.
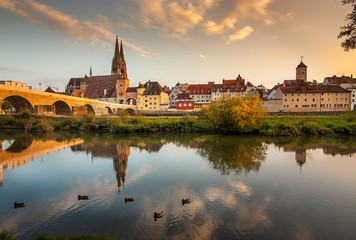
(91, 72)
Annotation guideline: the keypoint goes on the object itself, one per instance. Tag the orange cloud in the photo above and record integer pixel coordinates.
(240, 34)
(89, 32)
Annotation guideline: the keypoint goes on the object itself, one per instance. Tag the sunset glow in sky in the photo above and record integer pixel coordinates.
(193, 41)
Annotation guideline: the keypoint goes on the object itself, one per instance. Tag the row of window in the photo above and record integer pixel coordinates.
(321, 105)
(184, 104)
(341, 99)
(313, 94)
(139, 98)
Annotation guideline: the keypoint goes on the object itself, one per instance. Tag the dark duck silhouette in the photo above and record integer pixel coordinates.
(18, 205)
(185, 201)
(130, 199)
(158, 215)
(82, 197)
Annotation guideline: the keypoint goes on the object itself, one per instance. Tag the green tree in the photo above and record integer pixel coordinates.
(349, 30)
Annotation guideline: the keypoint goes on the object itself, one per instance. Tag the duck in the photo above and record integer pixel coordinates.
(18, 205)
(82, 197)
(158, 214)
(130, 199)
(186, 200)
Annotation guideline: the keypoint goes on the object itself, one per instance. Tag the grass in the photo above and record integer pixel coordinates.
(271, 125)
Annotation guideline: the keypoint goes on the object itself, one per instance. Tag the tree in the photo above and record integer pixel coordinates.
(236, 114)
(349, 31)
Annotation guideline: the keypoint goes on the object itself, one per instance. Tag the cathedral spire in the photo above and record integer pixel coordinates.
(121, 52)
(91, 72)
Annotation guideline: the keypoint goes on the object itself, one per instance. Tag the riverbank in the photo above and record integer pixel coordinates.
(270, 125)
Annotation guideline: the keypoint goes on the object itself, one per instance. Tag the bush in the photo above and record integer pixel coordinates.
(236, 114)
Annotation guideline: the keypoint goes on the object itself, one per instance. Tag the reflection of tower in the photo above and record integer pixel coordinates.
(301, 157)
(120, 163)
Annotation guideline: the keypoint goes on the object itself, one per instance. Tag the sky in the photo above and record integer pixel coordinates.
(45, 43)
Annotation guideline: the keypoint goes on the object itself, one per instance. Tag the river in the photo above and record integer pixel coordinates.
(240, 187)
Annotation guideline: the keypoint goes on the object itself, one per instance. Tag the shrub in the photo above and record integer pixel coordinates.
(236, 114)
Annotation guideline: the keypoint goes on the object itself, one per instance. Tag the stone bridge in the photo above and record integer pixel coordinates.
(34, 100)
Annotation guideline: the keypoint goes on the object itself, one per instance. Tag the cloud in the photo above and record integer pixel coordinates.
(212, 27)
(13, 69)
(86, 31)
(174, 18)
(202, 56)
(240, 34)
(242, 189)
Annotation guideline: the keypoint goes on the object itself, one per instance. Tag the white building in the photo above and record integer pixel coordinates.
(179, 88)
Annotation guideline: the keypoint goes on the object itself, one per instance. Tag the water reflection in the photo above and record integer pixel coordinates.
(226, 154)
(160, 170)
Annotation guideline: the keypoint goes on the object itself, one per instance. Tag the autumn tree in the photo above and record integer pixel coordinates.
(349, 31)
(236, 114)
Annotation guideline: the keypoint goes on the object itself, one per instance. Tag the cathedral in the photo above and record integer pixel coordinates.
(110, 88)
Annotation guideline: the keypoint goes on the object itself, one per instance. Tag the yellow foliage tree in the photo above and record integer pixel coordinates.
(236, 114)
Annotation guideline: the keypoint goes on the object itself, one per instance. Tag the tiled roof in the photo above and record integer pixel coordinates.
(306, 87)
(301, 64)
(340, 80)
(131, 89)
(49, 89)
(153, 88)
(202, 88)
(289, 83)
(98, 84)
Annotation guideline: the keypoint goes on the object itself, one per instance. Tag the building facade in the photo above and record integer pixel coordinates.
(152, 97)
(178, 88)
(306, 97)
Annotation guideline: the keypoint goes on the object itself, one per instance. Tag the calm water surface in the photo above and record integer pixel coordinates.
(240, 187)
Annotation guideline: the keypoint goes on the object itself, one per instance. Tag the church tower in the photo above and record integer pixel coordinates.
(118, 68)
(118, 65)
(301, 71)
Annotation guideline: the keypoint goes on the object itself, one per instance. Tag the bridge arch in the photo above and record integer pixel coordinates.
(131, 101)
(90, 109)
(109, 110)
(62, 108)
(20, 103)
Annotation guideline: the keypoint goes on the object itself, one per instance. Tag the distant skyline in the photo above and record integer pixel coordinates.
(193, 41)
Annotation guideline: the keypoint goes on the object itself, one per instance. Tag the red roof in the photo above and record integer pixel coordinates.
(306, 87)
(200, 88)
(339, 80)
(131, 89)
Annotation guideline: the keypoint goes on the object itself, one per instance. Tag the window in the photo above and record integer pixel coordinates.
(150, 103)
(313, 99)
(189, 104)
(313, 105)
(154, 98)
(322, 105)
(297, 99)
(305, 106)
(296, 106)
(146, 100)
(154, 103)
(322, 99)
(346, 105)
(146, 105)
(184, 105)
(305, 99)
(285, 94)
(285, 100)
(292, 100)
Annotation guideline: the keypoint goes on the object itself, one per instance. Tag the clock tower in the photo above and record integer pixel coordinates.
(301, 71)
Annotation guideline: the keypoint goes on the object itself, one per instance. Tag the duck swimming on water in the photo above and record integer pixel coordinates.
(18, 205)
(158, 215)
(186, 200)
(129, 199)
(82, 197)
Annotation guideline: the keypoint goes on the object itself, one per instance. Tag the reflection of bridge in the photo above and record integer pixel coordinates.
(22, 98)
(20, 154)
